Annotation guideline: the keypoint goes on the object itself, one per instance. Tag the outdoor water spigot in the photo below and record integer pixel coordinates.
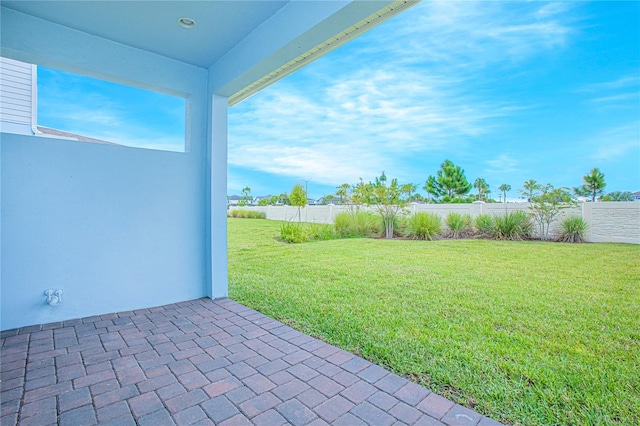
(54, 297)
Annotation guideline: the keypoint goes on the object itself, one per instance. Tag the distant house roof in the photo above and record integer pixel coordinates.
(234, 197)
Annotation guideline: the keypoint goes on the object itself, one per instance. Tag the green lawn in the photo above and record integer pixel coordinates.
(525, 332)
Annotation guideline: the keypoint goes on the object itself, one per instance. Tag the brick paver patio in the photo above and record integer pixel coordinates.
(201, 362)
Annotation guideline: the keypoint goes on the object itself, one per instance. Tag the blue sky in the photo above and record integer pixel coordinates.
(509, 91)
(109, 111)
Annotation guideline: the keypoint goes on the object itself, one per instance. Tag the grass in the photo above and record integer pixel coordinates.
(528, 333)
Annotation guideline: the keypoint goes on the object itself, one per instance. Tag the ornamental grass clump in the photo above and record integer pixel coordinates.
(458, 225)
(357, 224)
(247, 214)
(291, 232)
(320, 232)
(400, 226)
(514, 226)
(573, 229)
(424, 226)
(296, 232)
(484, 226)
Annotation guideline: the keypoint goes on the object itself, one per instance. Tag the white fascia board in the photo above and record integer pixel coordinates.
(298, 34)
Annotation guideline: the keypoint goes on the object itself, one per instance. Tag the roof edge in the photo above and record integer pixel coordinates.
(323, 48)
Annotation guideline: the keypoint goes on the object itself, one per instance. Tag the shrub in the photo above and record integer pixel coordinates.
(320, 232)
(296, 232)
(247, 214)
(424, 226)
(400, 226)
(573, 230)
(291, 232)
(459, 225)
(513, 226)
(357, 224)
(485, 226)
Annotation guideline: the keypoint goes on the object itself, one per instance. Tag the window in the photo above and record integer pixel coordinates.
(76, 107)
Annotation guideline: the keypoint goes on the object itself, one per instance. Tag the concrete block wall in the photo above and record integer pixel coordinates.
(608, 222)
(613, 222)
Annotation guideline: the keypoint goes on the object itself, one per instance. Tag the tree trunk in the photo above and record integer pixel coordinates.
(388, 229)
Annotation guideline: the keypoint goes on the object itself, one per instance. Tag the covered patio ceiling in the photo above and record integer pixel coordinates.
(153, 25)
(245, 45)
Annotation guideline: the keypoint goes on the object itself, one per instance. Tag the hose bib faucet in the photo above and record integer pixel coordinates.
(54, 297)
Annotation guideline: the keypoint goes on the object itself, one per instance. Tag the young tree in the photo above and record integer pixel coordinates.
(547, 205)
(593, 186)
(504, 188)
(482, 186)
(298, 198)
(357, 192)
(531, 187)
(245, 199)
(449, 182)
(388, 200)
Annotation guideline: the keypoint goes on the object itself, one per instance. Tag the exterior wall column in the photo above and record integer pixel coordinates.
(218, 276)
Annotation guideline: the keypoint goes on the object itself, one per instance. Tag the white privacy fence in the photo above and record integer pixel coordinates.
(608, 222)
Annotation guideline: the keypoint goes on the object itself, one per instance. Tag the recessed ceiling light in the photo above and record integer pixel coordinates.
(187, 22)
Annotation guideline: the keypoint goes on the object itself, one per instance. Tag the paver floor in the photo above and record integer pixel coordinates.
(201, 362)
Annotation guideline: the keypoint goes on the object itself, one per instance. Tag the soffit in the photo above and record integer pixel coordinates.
(153, 25)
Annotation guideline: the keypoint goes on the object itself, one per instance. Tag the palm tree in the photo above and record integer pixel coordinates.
(504, 188)
(343, 193)
(530, 186)
(617, 196)
(593, 184)
(409, 188)
(482, 186)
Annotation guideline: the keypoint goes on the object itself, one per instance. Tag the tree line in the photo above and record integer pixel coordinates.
(448, 185)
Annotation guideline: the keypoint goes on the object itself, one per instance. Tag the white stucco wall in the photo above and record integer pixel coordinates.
(613, 222)
(608, 222)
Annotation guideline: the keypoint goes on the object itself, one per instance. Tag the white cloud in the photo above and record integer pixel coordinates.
(615, 143)
(623, 97)
(623, 82)
(357, 126)
(623, 92)
(502, 164)
(414, 89)
(468, 35)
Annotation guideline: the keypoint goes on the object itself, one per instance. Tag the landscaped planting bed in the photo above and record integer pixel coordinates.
(528, 333)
